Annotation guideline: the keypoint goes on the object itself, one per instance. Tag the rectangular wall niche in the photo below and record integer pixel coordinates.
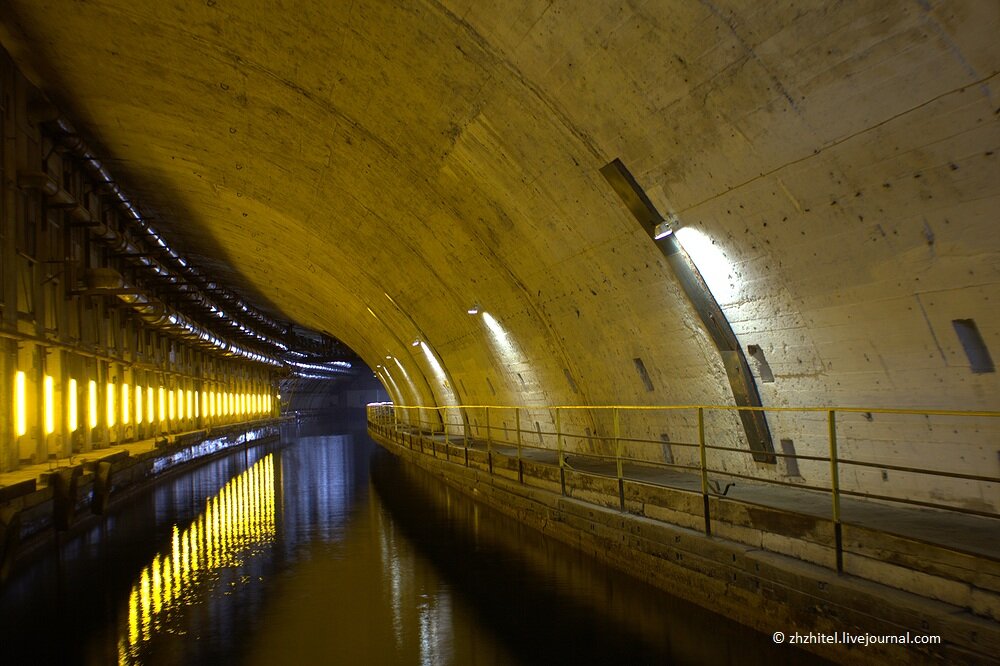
(973, 344)
(763, 367)
(640, 367)
(668, 451)
(791, 462)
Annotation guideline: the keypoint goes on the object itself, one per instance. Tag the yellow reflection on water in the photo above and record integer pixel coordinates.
(236, 522)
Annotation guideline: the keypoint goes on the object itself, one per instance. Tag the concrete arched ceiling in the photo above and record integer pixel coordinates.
(833, 166)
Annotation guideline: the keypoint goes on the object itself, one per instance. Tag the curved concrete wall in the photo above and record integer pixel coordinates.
(373, 171)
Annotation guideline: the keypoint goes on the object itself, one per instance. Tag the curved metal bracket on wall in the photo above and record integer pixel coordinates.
(741, 380)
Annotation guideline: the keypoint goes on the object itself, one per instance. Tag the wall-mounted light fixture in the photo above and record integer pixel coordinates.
(91, 404)
(72, 417)
(474, 309)
(415, 343)
(48, 385)
(697, 286)
(20, 405)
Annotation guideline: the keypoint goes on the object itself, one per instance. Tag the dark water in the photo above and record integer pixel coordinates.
(326, 550)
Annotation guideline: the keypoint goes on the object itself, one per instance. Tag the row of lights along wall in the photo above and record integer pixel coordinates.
(137, 411)
(82, 365)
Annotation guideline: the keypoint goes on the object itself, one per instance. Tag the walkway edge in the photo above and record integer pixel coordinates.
(767, 591)
(75, 496)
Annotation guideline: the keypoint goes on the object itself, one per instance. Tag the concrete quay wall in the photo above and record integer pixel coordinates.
(769, 591)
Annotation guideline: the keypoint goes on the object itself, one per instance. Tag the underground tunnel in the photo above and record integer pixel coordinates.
(521, 332)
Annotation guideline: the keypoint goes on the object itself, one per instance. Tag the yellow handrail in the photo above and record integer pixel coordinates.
(495, 442)
(823, 410)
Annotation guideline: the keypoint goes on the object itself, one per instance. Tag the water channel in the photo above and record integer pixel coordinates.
(324, 549)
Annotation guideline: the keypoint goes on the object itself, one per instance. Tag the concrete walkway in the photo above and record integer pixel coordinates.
(976, 535)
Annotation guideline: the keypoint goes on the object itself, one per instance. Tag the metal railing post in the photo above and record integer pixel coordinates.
(618, 459)
(465, 434)
(562, 455)
(835, 491)
(444, 426)
(704, 471)
(434, 447)
(517, 424)
(489, 442)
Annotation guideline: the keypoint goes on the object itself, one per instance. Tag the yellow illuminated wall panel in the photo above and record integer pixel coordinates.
(72, 418)
(110, 397)
(91, 404)
(149, 404)
(126, 404)
(138, 405)
(172, 406)
(48, 387)
(20, 406)
(190, 404)
(163, 403)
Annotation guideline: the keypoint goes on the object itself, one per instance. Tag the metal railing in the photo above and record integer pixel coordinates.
(844, 454)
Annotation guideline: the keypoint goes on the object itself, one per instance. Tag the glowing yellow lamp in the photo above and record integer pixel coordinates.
(72, 418)
(110, 393)
(20, 408)
(48, 386)
(91, 404)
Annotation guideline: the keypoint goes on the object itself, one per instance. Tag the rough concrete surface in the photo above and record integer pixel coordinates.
(374, 169)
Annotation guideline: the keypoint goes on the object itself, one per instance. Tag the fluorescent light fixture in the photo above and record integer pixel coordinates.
(20, 406)
(662, 230)
(474, 310)
(92, 404)
(109, 403)
(48, 385)
(72, 418)
(415, 343)
(138, 405)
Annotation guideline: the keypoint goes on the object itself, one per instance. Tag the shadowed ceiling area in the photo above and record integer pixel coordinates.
(373, 170)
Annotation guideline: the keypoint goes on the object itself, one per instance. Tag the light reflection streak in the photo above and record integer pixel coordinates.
(510, 353)
(439, 374)
(711, 261)
(236, 523)
(406, 377)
